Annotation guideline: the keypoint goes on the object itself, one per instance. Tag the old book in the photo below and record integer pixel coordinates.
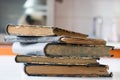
(57, 70)
(85, 41)
(57, 39)
(38, 30)
(62, 39)
(61, 49)
(56, 60)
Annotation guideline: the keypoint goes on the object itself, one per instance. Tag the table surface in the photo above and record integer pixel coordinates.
(10, 70)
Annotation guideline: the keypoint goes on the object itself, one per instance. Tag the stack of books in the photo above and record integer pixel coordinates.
(52, 51)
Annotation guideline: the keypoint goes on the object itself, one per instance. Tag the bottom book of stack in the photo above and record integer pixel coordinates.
(65, 70)
(67, 67)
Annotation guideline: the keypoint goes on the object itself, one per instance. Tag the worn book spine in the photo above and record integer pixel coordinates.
(85, 41)
(56, 60)
(29, 30)
(71, 71)
(39, 30)
(77, 50)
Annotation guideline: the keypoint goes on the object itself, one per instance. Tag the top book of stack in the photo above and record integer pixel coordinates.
(37, 30)
(38, 33)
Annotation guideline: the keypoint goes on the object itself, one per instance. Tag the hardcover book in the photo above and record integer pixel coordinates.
(38, 30)
(73, 71)
(56, 60)
(61, 49)
(54, 39)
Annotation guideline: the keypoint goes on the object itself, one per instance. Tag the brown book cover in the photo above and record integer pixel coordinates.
(39, 30)
(56, 60)
(85, 41)
(77, 50)
(61, 49)
(57, 70)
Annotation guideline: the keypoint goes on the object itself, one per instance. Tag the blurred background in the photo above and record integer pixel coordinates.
(97, 18)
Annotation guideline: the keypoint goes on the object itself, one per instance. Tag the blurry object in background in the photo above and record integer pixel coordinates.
(10, 12)
(32, 19)
(113, 36)
(103, 31)
(35, 12)
(97, 26)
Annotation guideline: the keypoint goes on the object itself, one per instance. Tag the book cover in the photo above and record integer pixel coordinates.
(72, 71)
(58, 49)
(52, 39)
(39, 30)
(56, 60)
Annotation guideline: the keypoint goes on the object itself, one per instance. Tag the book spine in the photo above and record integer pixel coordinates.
(56, 60)
(26, 70)
(77, 50)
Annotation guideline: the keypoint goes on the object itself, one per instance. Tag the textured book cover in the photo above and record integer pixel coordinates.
(39, 30)
(58, 49)
(71, 71)
(56, 60)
